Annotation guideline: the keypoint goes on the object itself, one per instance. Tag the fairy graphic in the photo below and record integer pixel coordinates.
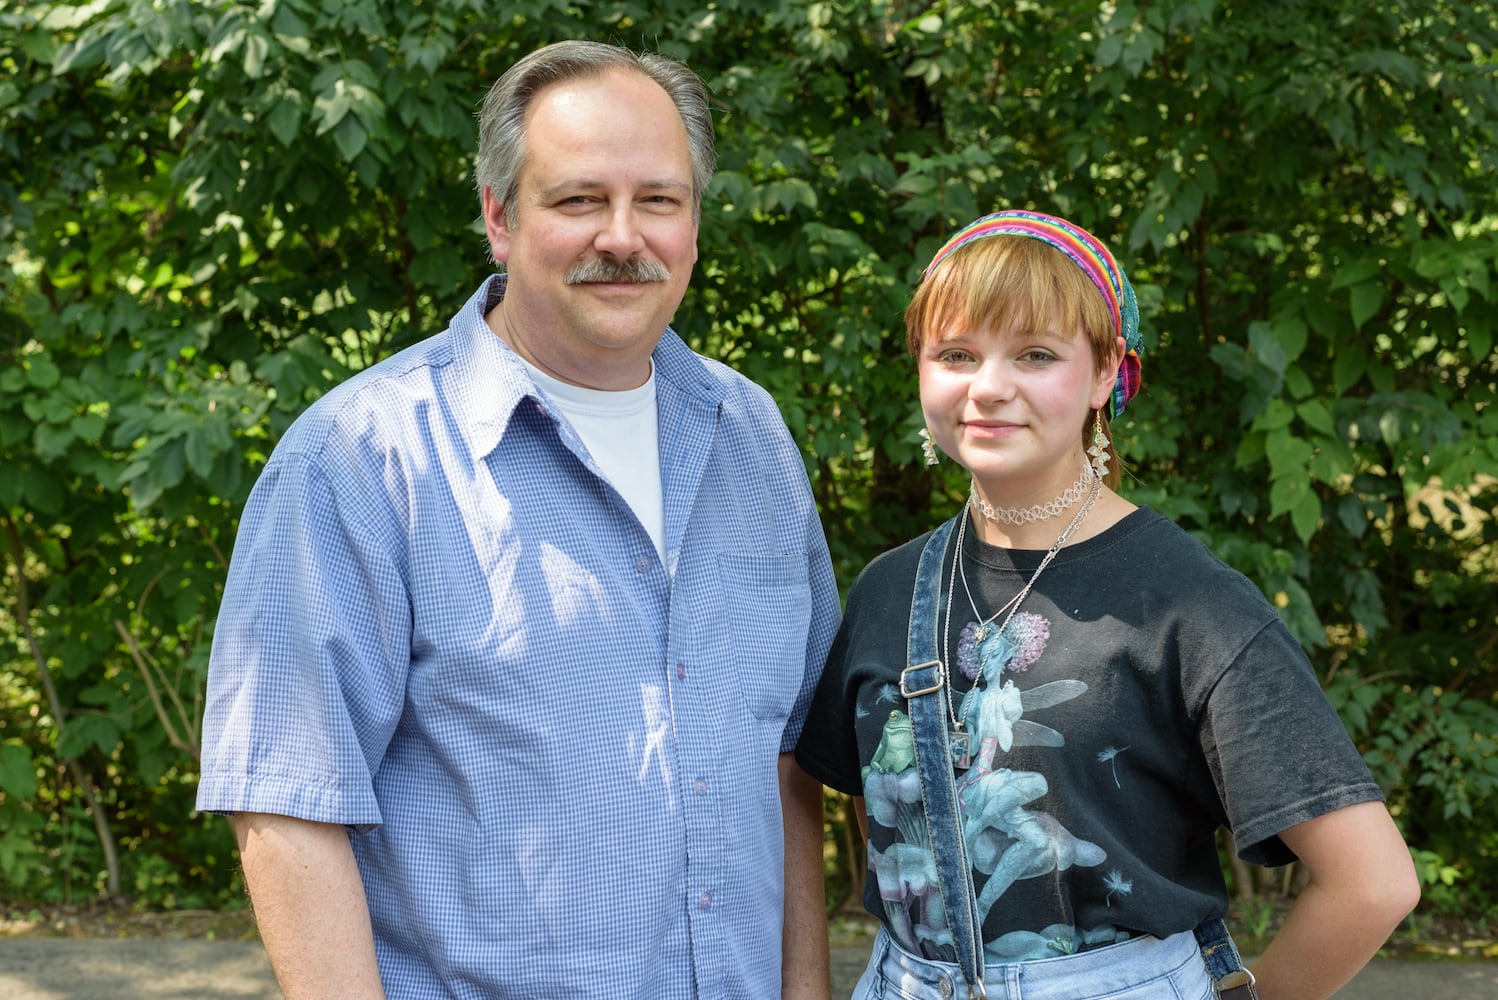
(1007, 840)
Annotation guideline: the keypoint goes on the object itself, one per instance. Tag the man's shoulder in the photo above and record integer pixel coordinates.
(739, 387)
(741, 400)
(379, 397)
(696, 372)
(446, 369)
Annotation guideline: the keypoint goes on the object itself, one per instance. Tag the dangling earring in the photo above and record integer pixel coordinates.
(928, 447)
(1097, 455)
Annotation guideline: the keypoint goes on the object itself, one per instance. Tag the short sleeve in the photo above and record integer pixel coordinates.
(826, 612)
(1276, 748)
(310, 652)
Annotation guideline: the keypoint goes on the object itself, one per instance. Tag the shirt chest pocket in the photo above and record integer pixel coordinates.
(767, 606)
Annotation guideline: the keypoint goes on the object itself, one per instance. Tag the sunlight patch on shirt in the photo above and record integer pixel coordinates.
(576, 595)
(650, 744)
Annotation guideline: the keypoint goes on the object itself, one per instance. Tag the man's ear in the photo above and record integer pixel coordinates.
(496, 227)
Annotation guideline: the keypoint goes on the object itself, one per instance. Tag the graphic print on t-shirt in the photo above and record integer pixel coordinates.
(1006, 841)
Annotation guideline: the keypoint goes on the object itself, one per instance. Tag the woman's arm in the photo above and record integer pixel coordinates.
(1362, 885)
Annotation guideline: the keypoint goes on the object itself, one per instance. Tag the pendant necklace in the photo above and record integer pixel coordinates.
(959, 738)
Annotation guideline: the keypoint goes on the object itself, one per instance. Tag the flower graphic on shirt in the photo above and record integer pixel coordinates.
(1108, 755)
(1115, 882)
(888, 693)
(984, 649)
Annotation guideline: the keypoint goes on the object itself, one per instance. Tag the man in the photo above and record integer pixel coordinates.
(522, 623)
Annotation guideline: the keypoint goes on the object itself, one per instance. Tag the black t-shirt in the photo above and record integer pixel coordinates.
(1143, 695)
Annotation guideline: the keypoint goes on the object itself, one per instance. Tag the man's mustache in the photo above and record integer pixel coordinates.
(629, 269)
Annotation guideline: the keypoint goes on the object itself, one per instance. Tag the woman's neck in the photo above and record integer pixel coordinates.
(1108, 510)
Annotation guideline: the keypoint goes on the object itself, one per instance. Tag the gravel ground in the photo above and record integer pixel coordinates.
(50, 968)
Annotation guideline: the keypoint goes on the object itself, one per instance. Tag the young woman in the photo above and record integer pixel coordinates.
(1047, 707)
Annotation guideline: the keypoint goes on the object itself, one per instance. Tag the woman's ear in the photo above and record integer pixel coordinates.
(1108, 374)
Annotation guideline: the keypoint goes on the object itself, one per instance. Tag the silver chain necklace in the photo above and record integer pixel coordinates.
(1038, 512)
(984, 624)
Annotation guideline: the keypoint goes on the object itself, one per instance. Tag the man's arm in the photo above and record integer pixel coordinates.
(310, 907)
(805, 968)
(1362, 885)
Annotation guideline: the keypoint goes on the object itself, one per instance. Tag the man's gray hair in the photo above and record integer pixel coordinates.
(502, 120)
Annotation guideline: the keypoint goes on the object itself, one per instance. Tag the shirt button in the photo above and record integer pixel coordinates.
(681, 671)
(642, 565)
(699, 786)
(705, 901)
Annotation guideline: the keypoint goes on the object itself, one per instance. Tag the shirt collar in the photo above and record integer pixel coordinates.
(490, 380)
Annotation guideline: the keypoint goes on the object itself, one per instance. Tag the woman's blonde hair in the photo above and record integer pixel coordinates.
(1013, 282)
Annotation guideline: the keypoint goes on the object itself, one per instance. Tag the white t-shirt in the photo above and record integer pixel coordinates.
(623, 436)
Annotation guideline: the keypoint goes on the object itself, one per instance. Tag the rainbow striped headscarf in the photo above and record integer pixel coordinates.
(1088, 252)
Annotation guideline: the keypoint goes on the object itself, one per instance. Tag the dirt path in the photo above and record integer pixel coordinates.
(47, 968)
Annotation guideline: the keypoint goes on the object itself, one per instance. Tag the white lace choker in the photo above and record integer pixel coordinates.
(1040, 511)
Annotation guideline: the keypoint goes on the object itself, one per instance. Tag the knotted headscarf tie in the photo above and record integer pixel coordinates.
(1089, 253)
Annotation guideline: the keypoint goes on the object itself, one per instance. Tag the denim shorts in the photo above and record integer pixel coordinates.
(1145, 968)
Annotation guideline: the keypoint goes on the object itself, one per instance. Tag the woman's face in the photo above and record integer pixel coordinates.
(1010, 406)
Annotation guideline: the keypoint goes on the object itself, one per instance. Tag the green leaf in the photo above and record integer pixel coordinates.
(1305, 516)
(1286, 494)
(1360, 272)
(285, 120)
(1266, 348)
(331, 108)
(1289, 456)
(1455, 292)
(14, 428)
(256, 46)
(1352, 515)
(88, 427)
(350, 137)
(1292, 335)
(1277, 414)
(1333, 462)
(1365, 299)
(287, 24)
(200, 452)
(51, 441)
(1109, 50)
(1317, 417)
(1297, 384)
(44, 492)
(17, 772)
(1348, 367)
(42, 372)
(1479, 339)
(87, 730)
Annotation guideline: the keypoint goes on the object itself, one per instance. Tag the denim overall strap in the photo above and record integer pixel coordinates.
(924, 685)
(1230, 980)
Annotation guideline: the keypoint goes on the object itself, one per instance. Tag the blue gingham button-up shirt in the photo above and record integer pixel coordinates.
(445, 629)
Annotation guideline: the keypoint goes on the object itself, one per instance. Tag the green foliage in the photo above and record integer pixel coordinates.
(211, 212)
(1438, 881)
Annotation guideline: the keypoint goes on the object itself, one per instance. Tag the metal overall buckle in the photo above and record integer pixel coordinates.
(1236, 985)
(935, 685)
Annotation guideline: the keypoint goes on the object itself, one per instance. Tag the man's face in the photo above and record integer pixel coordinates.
(605, 234)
